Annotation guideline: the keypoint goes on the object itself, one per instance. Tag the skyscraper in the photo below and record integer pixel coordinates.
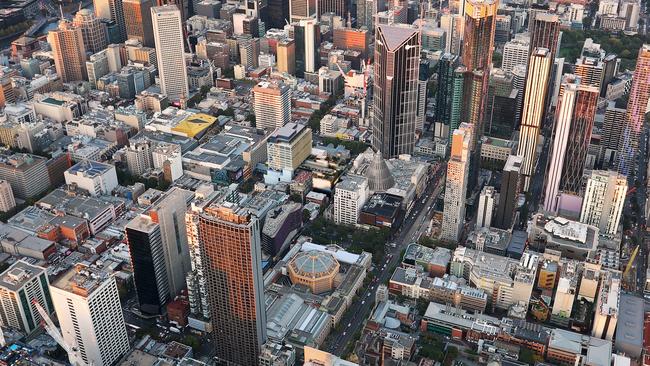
(533, 111)
(338, 7)
(272, 103)
(286, 56)
(170, 51)
(602, 205)
(453, 216)
(68, 51)
(396, 80)
(301, 9)
(613, 130)
(446, 67)
(545, 32)
(636, 108)
(229, 239)
(516, 52)
(112, 10)
(306, 34)
(90, 315)
(574, 121)
(478, 45)
(137, 16)
(510, 184)
(92, 30)
(486, 207)
(21, 284)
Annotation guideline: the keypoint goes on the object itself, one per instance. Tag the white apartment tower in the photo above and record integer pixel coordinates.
(20, 285)
(486, 206)
(88, 307)
(539, 68)
(138, 157)
(170, 51)
(350, 195)
(453, 217)
(7, 199)
(602, 205)
(272, 104)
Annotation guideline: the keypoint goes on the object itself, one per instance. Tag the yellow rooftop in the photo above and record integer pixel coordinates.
(194, 124)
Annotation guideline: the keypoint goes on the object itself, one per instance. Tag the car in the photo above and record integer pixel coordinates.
(349, 325)
(364, 301)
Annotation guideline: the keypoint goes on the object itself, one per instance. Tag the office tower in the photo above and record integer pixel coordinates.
(90, 315)
(545, 32)
(288, 146)
(338, 7)
(148, 263)
(519, 83)
(486, 207)
(604, 198)
(350, 194)
(27, 174)
(114, 55)
(182, 5)
(574, 120)
(96, 67)
(138, 157)
(478, 45)
(421, 106)
(515, 52)
(249, 51)
(278, 13)
(533, 111)
(460, 83)
(444, 95)
(170, 52)
(345, 38)
(302, 9)
(112, 10)
(286, 56)
(503, 29)
(611, 64)
(137, 16)
(7, 199)
(92, 30)
(272, 104)
(452, 24)
(396, 75)
(565, 293)
(636, 109)
(453, 216)
(228, 236)
(306, 35)
(68, 51)
(629, 10)
(613, 131)
(501, 107)
(92, 176)
(508, 193)
(591, 71)
(20, 285)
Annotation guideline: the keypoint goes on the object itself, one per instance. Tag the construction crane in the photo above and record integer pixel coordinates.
(73, 352)
(631, 261)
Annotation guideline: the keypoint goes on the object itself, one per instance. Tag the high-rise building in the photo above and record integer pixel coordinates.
(636, 110)
(574, 121)
(478, 45)
(567, 284)
(533, 111)
(112, 10)
(272, 103)
(301, 9)
(96, 67)
(452, 25)
(278, 13)
(515, 52)
(7, 199)
(453, 217)
(510, 185)
(68, 51)
(20, 285)
(613, 131)
(460, 82)
(346, 38)
(306, 35)
(396, 82)
(501, 108)
(338, 7)
(229, 240)
(286, 56)
(26, 173)
(90, 315)
(486, 206)
(544, 31)
(170, 51)
(602, 205)
(288, 146)
(591, 71)
(137, 16)
(92, 30)
(444, 95)
(519, 83)
(606, 307)
(350, 195)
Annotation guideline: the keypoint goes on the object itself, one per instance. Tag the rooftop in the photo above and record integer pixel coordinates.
(89, 168)
(81, 280)
(286, 133)
(16, 276)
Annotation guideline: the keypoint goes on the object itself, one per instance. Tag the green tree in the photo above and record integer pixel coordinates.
(306, 215)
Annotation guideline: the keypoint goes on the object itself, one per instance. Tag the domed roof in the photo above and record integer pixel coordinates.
(314, 264)
(379, 177)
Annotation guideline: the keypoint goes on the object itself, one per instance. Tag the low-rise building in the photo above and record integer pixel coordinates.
(574, 239)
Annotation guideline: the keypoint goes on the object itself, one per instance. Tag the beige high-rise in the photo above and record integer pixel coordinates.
(286, 58)
(137, 19)
(68, 51)
(272, 105)
(170, 51)
(7, 200)
(92, 30)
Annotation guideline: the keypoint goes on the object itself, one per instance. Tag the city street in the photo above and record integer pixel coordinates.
(415, 224)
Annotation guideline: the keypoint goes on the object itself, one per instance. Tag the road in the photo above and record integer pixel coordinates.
(415, 224)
